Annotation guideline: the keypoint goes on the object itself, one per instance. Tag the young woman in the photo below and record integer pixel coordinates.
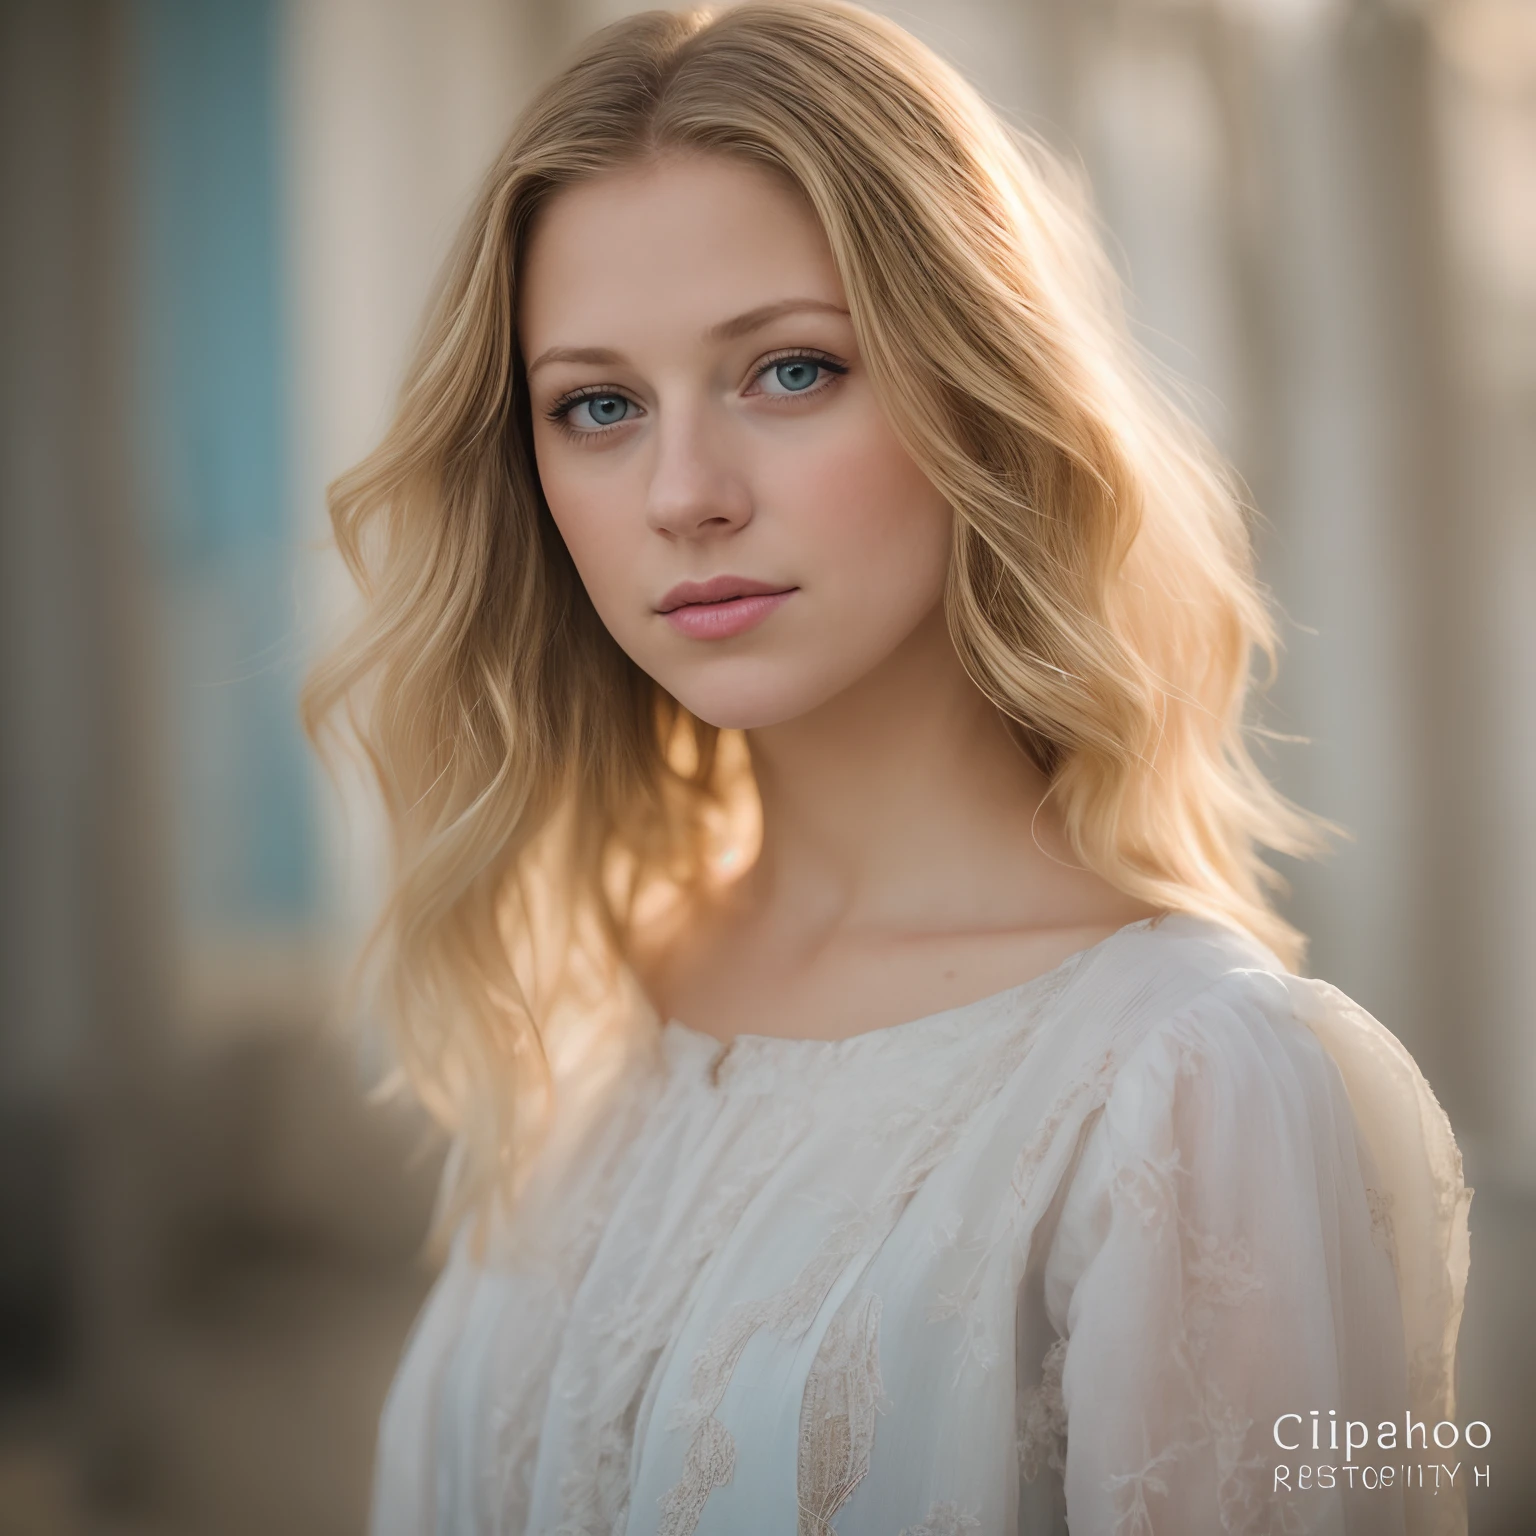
(805, 665)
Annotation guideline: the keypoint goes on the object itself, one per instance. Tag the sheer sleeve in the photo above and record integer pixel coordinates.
(1266, 1220)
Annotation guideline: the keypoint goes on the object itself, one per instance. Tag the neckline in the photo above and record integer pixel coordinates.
(784, 1044)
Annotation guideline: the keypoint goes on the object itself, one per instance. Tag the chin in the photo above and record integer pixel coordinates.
(750, 703)
(739, 712)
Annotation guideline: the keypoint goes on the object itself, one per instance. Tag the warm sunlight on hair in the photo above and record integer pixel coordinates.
(544, 792)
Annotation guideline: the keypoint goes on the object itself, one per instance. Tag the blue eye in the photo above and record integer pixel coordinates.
(797, 374)
(602, 410)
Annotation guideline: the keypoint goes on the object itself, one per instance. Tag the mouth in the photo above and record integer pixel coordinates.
(718, 589)
(722, 606)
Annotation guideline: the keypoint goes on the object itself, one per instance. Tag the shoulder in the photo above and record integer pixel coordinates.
(1182, 981)
(1212, 1018)
(1209, 1057)
(1255, 1100)
(1171, 1045)
(1164, 1012)
(1221, 1111)
(1194, 991)
(1179, 956)
(1213, 1022)
(1267, 1211)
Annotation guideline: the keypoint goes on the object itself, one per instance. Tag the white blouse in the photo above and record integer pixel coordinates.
(1060, 1258)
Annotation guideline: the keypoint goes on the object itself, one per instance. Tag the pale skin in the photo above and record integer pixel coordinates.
(700, 408)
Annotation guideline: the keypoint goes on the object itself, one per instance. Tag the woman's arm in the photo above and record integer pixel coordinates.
(1225, 1274)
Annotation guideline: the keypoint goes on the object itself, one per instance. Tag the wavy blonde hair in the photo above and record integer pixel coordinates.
(1101, 592)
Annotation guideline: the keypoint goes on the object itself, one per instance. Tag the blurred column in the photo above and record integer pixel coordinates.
(84, 917)
(1485, 585)
(394, 112)
(1342, 240)
(1266, 172)
(213, 380)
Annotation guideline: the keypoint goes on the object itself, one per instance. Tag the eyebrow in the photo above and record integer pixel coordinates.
(727, 330)
(764, 314)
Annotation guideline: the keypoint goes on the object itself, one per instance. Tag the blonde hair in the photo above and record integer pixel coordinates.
(1101, 591)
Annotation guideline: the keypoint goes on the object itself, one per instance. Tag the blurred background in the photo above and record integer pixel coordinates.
(219, 220)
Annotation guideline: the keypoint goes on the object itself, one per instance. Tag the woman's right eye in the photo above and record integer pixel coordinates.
(591, 413)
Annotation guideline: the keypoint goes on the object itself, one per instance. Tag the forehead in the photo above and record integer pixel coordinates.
(683, 241)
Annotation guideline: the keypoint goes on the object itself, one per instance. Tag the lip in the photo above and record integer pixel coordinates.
(721, 607)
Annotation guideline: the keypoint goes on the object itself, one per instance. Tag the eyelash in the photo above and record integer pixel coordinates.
(558, 413)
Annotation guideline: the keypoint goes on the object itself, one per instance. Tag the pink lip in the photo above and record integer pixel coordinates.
(721, 606)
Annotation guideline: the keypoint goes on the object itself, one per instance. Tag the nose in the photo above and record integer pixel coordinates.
(696, 491)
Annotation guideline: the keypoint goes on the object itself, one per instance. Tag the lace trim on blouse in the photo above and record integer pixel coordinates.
(595, 1491)
(710, 1458)
(1043, 1423)
(946, 1518)
(837, 1414)
(1216, 1274)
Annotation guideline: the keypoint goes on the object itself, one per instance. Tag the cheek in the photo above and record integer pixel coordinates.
(878, 529)
(588, 508)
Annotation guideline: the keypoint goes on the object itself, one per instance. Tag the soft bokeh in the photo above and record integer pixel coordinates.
(221, 219)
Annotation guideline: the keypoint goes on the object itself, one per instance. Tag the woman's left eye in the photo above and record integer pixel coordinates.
(795, 375)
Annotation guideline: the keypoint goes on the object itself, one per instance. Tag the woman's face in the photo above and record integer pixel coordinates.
(743, 517)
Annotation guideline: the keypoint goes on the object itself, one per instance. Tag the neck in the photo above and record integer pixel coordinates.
(902, 802)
